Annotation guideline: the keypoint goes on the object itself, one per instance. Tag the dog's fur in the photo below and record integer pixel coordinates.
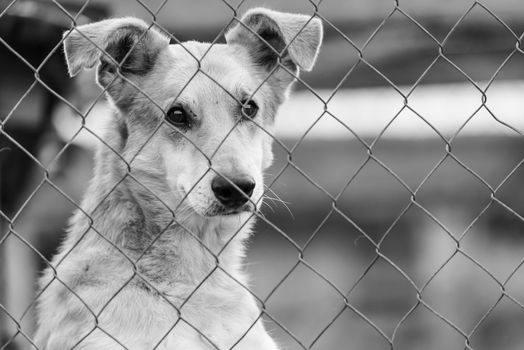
(150, 233)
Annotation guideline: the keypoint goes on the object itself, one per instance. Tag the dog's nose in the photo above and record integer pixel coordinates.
(228, 194)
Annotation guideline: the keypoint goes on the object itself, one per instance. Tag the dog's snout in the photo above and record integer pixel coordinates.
(233, 192)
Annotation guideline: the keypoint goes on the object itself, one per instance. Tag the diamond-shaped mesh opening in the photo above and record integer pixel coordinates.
(391, 216)
(513, 284)
(434, 246)
(400, 241)
(506, 195)
(351, 251)
(479, 240)
(341, 64)
(350, 328)
(398, 154)
(310, 157)
(383, 295)
(283, 194)
(423, 329)
(462, 101)
(385, 53)
(374, 175)
(465, 304)
(510, 68)
(363, 20)
(272, 261)
(490, 31)
(466, 188)
(508, 157)
(500, 320)
(304, 287)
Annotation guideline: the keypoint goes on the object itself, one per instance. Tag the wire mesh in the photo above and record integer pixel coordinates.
(344, 295)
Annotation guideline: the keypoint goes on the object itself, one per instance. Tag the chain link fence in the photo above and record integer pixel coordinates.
(350, 317)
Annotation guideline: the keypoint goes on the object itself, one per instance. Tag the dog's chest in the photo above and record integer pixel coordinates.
(217, 323)
(247, 336)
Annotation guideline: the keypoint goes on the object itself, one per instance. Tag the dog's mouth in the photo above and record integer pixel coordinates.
(220, 210)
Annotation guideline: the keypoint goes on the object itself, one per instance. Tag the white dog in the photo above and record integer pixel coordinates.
(153, 259)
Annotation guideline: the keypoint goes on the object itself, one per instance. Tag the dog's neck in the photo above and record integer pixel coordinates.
(128, 216)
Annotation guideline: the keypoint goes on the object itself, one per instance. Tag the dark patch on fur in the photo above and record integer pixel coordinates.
(132, 47)
(145, 287)
(267, 55)
(123, 132)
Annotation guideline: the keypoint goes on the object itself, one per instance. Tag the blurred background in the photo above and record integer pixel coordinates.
(404, 143)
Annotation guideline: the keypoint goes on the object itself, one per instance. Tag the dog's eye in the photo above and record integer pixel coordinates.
(178, 117)
(249, 108)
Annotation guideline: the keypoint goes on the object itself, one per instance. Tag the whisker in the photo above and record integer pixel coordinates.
(278, 199)
(269, 206)
(276, 195)
(261, 214)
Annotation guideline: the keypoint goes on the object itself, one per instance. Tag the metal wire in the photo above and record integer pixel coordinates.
(344, 294)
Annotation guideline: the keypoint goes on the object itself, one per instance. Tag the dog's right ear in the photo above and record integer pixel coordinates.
(124, 44)
(278, 40)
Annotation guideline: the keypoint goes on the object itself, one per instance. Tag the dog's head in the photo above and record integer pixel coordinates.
(199, 116)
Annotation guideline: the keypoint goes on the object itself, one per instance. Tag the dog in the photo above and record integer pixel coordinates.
(153, 256)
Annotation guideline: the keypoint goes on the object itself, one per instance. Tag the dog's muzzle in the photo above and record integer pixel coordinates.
(233, 192)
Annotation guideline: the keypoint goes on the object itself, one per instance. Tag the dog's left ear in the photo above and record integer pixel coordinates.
(294, 38)
(122, 49)
(127, 44)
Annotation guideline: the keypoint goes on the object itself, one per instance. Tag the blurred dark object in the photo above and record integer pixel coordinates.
(33, 76)
(5, 341)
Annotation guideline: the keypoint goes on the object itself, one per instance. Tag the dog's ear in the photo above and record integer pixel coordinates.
(294, 38)
(125, 44)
